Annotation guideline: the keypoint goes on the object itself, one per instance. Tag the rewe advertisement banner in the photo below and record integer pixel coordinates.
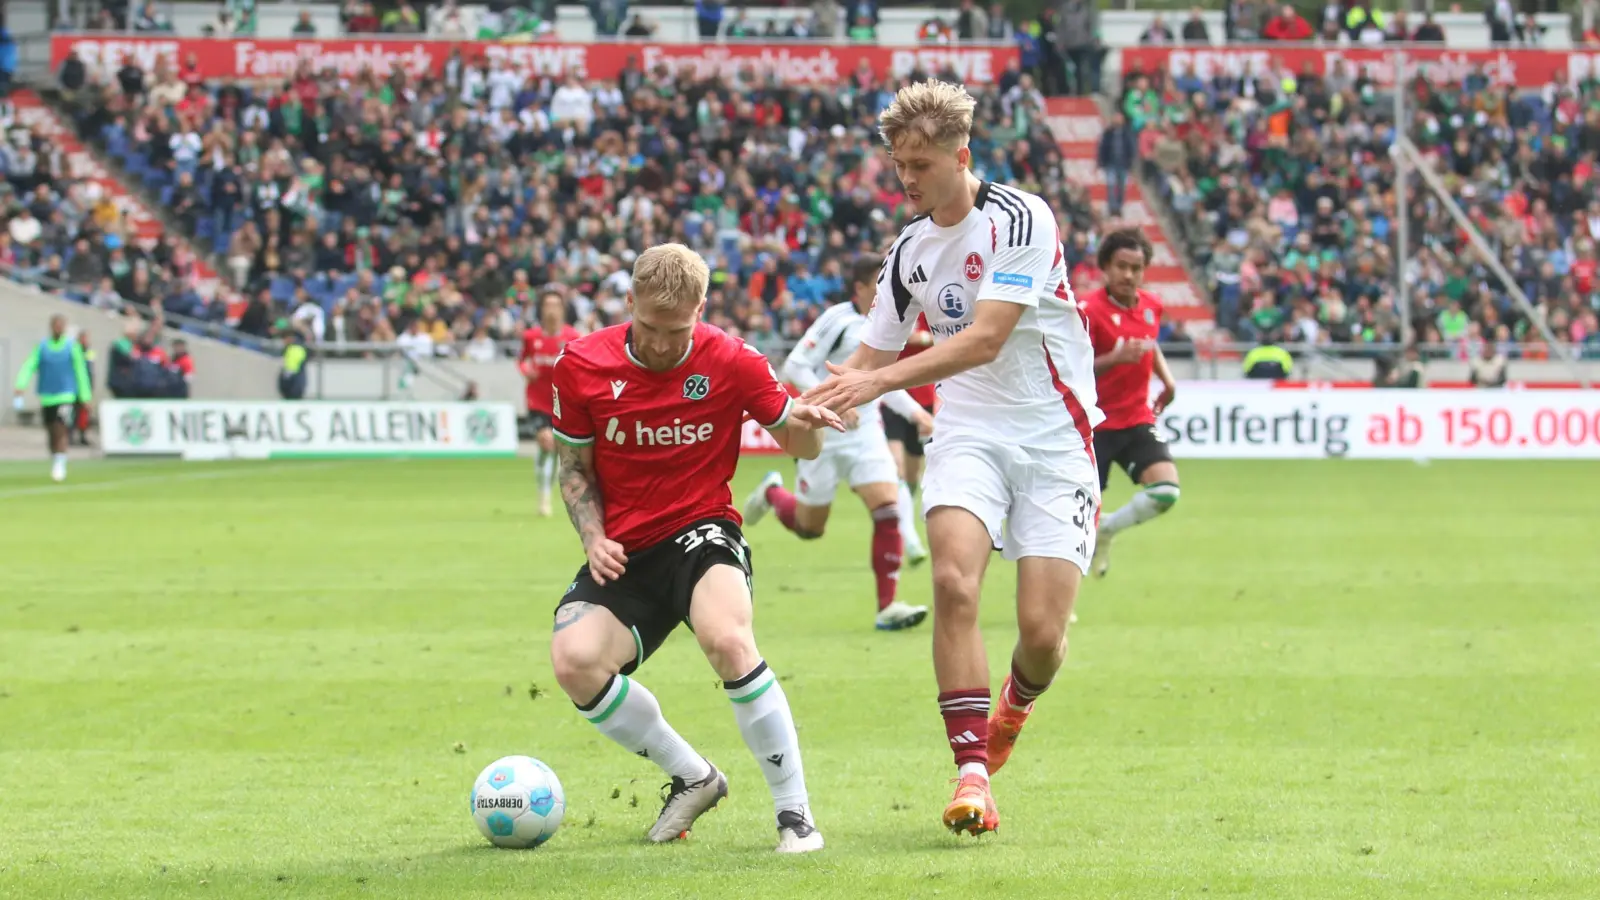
(249, 59)
(1525, 69)
(278, 430)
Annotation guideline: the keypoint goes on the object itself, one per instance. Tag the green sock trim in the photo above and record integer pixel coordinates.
(1164, 493)
(771, 680)
(621, 695)
(638, 648)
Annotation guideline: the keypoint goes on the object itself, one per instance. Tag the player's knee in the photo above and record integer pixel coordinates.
(731, 652)
(580, 668)
(954, 587)
(546, 441)
(1164, 494)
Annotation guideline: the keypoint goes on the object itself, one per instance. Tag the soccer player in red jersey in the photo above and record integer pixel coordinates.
(905, 444)
(541, 347)
(648, 415)
(1124, 322)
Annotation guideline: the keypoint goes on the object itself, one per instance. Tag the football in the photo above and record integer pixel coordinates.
(518, 802)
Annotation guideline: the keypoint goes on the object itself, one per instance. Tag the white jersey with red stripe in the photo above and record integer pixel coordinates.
(1039, 392)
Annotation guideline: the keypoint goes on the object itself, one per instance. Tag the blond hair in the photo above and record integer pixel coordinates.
(928, 113)
(670, 276)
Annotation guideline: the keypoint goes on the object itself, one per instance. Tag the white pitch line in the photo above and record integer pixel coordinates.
(167, 477)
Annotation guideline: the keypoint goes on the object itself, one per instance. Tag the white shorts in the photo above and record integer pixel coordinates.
(1033, 502)
(861, 457)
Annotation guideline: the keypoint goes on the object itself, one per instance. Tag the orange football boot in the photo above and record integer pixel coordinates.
(1005, 724)
(972, 810)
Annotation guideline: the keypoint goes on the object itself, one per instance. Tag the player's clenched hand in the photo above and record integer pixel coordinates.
(851, 419)
(1130, 350)
(815, 417)
(924, 423)
(1169, 392)
(845, 389)
(607, 562)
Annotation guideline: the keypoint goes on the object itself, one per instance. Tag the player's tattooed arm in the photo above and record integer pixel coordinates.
(580, 493)
(607, 560)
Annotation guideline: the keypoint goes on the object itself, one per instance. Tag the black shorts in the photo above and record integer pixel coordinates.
(58, 412)
(538, 421)
(652, 596)
(1134, 449)
(899, 428)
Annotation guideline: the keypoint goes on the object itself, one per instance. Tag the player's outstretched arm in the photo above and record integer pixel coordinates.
(849, 387)
(581, 494)
(800, 434)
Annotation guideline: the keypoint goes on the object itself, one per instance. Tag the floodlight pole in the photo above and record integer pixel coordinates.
(1404, 148)
(1402, 202)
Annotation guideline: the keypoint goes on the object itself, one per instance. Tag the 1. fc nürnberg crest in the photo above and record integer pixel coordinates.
(974, 267)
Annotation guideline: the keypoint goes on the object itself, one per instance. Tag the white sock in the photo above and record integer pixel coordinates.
(762, 711)
(630, 715)
(966, 769)
(59, 459)
(908, 522)
(1150, 502)
(545, 463)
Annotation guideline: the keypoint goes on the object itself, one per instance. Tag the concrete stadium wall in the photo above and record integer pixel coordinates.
(222, 371)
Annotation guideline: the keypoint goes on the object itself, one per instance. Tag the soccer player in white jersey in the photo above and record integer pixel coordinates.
(860, 455)
(1010, 466)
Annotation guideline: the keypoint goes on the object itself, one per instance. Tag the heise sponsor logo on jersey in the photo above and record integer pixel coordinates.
(678, 434)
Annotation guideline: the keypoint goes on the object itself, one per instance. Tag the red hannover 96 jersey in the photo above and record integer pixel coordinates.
(538, 358)
(923, 394)
(665, 443)
(1125, 389)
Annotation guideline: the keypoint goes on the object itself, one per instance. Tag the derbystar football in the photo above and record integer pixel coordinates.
(518, 802)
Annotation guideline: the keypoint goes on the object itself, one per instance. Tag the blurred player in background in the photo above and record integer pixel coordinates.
(1010, 465)
(905, 444)
(63, 376)
(649, 416)
(1124, 323)
(541, 347)
(860, 456)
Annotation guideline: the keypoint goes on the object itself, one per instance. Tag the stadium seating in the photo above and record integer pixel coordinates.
(1284, 198)
(379, 202)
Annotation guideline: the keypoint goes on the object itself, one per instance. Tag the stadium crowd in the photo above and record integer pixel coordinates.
(370, 209)
(1283, 189)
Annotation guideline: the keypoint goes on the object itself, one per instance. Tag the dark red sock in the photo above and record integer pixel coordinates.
(886, 550)
(1020, 692)
(966, 723)
(783, 504)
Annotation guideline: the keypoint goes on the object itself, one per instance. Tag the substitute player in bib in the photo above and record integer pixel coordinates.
(905, 445)
(541, 347)
(648, 415)
(1124, 322)
(860, 456)
(63, 376)
(1010, 466)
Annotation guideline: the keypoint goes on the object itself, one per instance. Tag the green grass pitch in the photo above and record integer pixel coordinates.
(1312, 680)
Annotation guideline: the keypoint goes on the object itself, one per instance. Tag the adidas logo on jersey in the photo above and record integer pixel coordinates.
(677, 434)
(917, 276)
(965, 737)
